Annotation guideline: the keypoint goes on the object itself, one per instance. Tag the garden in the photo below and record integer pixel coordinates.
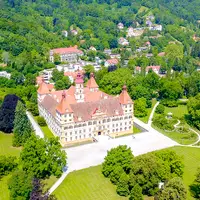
(171, 121)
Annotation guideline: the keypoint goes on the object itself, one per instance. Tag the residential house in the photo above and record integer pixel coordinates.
(111, 62)
(5, 74)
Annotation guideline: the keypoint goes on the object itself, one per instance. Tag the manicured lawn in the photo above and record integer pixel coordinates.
(191, 159)
(89, 184)
(146, 118)
(6, 147)
(179, 111)
(136, 130)
(45, 129)
(182, 138)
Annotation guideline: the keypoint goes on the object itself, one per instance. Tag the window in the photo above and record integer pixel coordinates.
(80, 131)
(90, 135)
(66, 139)
(79, 136)
(130, 122)
(71, 138)
(76, 137)
(84, 136)
(70, 133)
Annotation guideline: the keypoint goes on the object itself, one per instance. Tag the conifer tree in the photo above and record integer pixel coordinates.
(22, 126)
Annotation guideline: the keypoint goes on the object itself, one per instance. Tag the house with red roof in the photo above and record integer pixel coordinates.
(155, 69)
(69, 54)
(83, 112)
(111, 62)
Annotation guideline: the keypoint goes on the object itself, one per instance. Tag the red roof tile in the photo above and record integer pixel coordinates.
(91, 82)
(113, 61)
(63, 106)
(67, 50)
(124, 97)
(43, 88)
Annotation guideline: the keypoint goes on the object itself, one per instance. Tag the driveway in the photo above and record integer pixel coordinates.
(93, 154)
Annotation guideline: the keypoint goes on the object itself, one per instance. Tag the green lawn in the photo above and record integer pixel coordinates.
(181, 138)
(6, 149)
(191, 158)
(45, 129)
(136, 130)
(90, 184)
(146, 118)
(87, 184)
(179, 111)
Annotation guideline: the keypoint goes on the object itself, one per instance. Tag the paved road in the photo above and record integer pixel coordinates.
(36, 127)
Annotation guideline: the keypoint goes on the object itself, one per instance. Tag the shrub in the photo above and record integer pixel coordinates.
(41, 121)
(149, 103)
(160, 109)
(169, 103)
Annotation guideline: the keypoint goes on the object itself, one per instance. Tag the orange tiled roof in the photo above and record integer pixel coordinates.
(91, 82)
(67, 50)
(43, 88)
(63, 106)
(124, 97)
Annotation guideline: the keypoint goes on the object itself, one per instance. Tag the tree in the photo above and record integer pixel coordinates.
(173, 52)
(170, 90)
(112, 82)
(120, 156)
(43, 158)
(17, 77)
(148, 171)
(57, 75)
(22, 126)
(20, 185)
(140, 107)
(57, 59)
(38, 192)
(122, 185)
(195, 186)
(41, 121)
(7, 113)
(193, 106)
(173, 160)
(60, 85)
(174, 189)
(151, 80)
(160, 109)
(7, 164)
(88, 70)
(136, 193)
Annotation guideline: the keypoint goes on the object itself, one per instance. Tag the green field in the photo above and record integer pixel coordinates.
(6, 149)
(90, 184)
(87, 184)
(179, 111)
(191, 159)
(146, 118)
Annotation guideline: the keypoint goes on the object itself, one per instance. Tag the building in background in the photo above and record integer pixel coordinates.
(69, 54)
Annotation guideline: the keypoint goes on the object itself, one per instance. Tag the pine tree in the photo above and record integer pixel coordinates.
(22, 127)
(136, 193)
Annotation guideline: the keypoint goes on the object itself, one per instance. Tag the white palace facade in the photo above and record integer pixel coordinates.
(81, 113)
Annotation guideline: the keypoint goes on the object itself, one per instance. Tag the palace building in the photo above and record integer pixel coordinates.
(82, 113)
